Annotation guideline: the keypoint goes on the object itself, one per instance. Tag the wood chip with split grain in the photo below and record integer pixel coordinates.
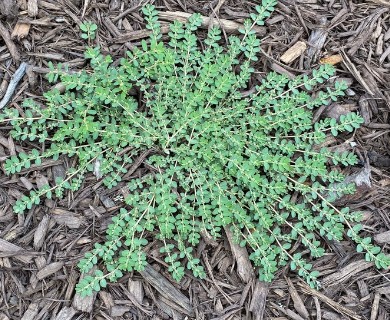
(119, 311)
(298, 303)
(316, 41)
(244, 266)
(228, 25)
(166, 289)
(68, 218)
(354, 71)
(83, 304)
(66, 313)
(333, 304)
(107, 299)
(259, 297)
(49, 270)
(288, 312)
(136, 288)
(31, 312)
(294, 52)
(375, 307)
(336, 110)
(169, 308)
(8, 7)
(383, 237)
(12, 250)
(32, 8)
(365, 30)
(40, 232)
(346, 273)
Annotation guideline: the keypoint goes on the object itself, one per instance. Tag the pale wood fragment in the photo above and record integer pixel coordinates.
(32, 8)
(133, 301)
(18, 75)
(334, 59)
(375, 307)
(318, 308)
(20, 31)
(83, 304)
(218, 306)
(8, 8)
(40, 262)
(66, 313)
(384, 55)
(3, 316)
(294, 52)
(383, 237)
(379, 45)
(126, 25)
(31, 311)
(83, 240)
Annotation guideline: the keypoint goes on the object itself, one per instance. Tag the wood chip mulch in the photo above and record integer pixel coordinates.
(39, 250)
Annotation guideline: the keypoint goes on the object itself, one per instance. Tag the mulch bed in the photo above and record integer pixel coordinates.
(39, 250)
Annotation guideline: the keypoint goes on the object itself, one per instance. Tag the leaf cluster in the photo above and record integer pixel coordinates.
(220, 159)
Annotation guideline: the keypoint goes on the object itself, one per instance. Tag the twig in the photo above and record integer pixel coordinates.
(13, 84)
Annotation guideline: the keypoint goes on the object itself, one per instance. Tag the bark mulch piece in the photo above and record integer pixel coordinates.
(39, 249)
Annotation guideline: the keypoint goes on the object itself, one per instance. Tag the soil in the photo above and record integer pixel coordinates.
(39, 250)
